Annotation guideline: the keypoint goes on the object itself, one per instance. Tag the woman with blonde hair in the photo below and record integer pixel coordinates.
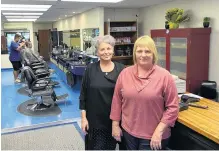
(145, 101)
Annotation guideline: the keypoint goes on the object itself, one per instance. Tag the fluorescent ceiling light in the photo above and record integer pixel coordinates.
(25, 9)
(24, 6)
(95, 1)
(22, 13)
(22, 17)
(14, 7)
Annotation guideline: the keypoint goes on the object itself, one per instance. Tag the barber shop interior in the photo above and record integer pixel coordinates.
(109, 75)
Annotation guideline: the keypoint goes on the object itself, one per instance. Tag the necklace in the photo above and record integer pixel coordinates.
(106, 73)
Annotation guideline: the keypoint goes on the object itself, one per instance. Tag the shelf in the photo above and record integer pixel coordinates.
(161, 57)
(182, 75)
(178, 59)
(124, 44)
(178, 45)
(160, 43)
(121, 31)
(122, 57)
(124, 21)
(125, 33)
(159, 46)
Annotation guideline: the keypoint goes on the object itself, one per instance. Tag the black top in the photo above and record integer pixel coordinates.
(96, 94)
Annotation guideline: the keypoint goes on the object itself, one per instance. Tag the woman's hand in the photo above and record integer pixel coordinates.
(156, 140)
(22, 44)
(116, 132)
(157, 136)
(84, 125)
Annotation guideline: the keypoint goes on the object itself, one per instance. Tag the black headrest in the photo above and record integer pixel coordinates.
(29, 57)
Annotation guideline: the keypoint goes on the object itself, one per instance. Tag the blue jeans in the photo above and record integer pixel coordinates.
(133, 143)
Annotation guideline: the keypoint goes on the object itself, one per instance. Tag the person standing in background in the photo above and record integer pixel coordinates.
(15, 57)
(145, 100)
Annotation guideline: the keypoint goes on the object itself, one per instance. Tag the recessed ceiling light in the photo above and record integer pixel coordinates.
(22, 19)
(95, 1)
(59, 18)
(22, 13)
(73, 12)
(65, 15)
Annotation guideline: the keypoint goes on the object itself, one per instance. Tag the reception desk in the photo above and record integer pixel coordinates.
(197, 129)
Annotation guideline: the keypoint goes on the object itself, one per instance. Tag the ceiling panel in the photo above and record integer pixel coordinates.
(137, 3)
(59, 9)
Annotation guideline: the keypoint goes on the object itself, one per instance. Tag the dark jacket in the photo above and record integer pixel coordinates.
(96, 94)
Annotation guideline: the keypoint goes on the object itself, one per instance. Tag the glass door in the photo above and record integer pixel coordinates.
(160, 43)
(178, 57)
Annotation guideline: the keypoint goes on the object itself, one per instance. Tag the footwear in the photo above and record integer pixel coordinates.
(51, 71)
(17, 81)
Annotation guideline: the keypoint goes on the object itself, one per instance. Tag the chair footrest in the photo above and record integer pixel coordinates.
(45, 92)
(36, 106)
(61, 97)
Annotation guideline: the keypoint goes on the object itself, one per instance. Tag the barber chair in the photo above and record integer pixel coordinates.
(39, 71)
(39, 67)
(208, 90)
(36, 77)
(41, 91)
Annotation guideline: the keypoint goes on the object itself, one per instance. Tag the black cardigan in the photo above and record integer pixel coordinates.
(96, 94)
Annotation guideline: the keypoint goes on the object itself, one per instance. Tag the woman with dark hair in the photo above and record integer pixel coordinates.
(15, 57)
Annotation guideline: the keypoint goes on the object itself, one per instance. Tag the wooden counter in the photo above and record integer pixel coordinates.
(197, 128)
(203, 121)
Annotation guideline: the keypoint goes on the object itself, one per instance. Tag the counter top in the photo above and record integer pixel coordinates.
(203, 121)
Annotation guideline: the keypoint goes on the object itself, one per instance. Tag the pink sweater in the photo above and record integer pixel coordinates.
(143, 103)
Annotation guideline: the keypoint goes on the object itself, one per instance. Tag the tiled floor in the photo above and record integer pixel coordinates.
(10, 100)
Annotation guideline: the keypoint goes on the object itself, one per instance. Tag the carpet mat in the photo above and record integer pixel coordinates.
(63, 137)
